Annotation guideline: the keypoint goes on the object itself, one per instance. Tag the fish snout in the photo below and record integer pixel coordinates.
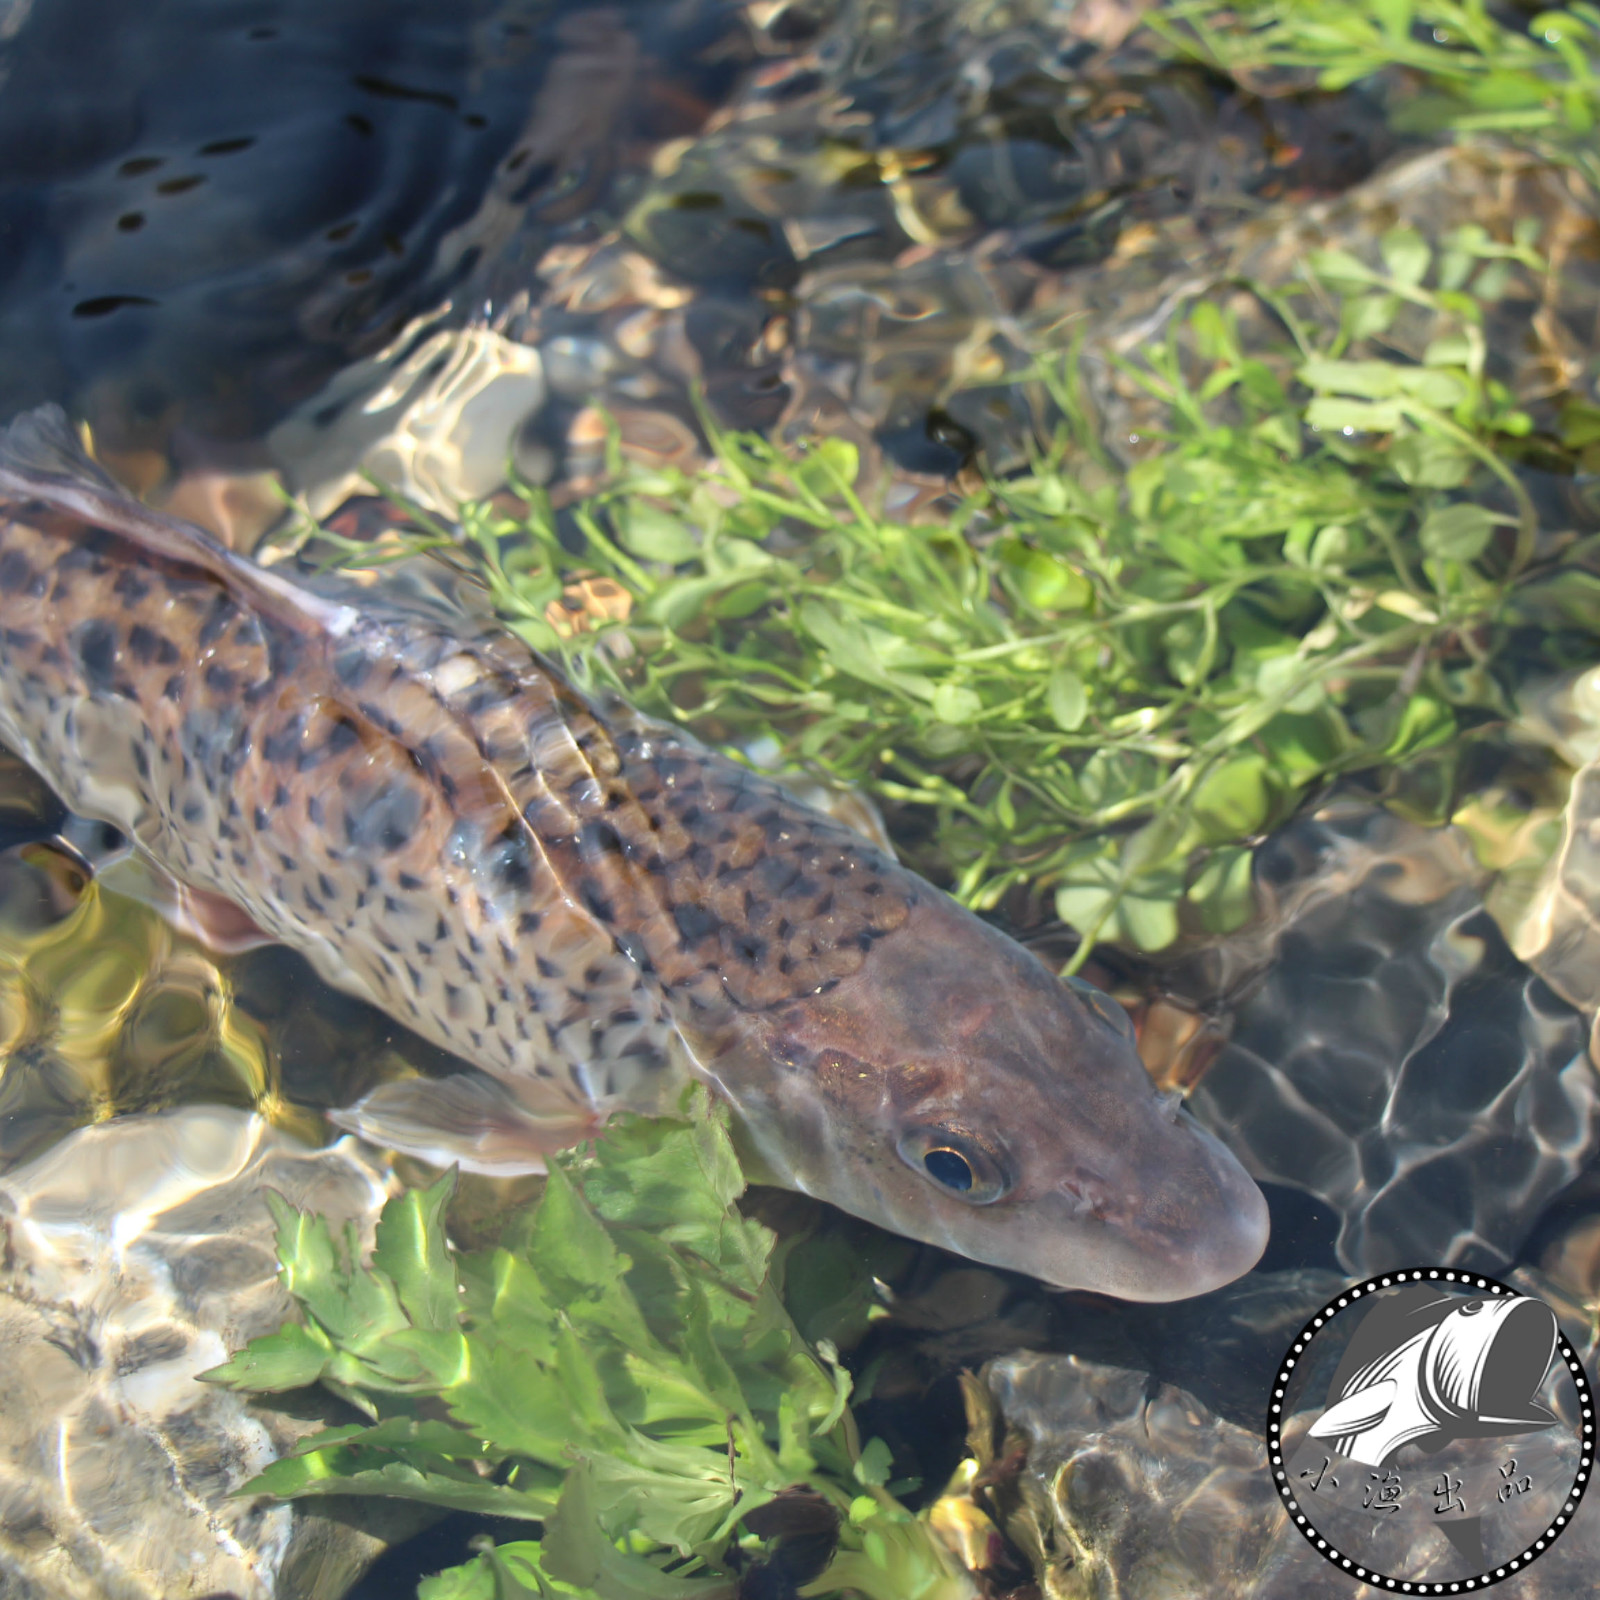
(1197, 1216)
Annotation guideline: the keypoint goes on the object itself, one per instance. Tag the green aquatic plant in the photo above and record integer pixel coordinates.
(1100, 681)
(1469, 67)
(620, 1370)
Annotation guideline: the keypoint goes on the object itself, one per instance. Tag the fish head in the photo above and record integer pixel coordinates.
(954, 1090)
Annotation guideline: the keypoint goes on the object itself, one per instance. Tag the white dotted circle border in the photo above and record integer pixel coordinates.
(1347, 1564)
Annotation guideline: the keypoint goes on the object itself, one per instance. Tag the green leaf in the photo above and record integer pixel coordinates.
(1459, 532)
(1360, 416)
(680, 1182)
(1235, 799)
(955, 704)
(875, 1465)
(827, 464)
(1425, 723)
(656, 535)
(848, 644)
(1426, 461)
(1406, 254)
(578, 1549)
(1342, 272)
(291, 1358)
(475, 1581)
(1044, 581)
(1068, 699)
(1224, 891)
(301, 1477)
(411, 1249)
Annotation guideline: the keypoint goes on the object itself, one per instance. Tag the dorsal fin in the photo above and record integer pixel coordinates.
(42, 460)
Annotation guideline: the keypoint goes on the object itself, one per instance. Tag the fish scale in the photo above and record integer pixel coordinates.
(586, 906)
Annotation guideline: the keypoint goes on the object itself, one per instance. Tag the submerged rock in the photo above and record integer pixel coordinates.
(1393, 1058)
(1135, 1490)
(138, 1254)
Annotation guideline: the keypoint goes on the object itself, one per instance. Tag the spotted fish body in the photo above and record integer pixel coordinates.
(585, 908)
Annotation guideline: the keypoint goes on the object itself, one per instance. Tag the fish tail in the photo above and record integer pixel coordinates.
(42, 460)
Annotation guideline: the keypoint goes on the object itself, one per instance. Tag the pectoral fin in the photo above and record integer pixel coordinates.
(1356, 1412)
(211, 919)
(467, 1120)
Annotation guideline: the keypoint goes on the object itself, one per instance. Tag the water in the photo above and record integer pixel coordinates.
(273, 246)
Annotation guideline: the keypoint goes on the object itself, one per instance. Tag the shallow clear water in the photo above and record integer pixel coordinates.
(277, 245)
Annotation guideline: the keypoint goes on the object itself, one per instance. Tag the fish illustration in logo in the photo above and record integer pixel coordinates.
(1427, 1368)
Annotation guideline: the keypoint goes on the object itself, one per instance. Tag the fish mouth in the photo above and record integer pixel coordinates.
(1204, 1224)
(1188, 1221)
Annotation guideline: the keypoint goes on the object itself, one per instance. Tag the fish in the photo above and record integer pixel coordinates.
(590, 908)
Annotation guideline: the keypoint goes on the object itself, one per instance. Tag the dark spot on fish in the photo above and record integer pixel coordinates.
(749, 948)
(547, 969)
(595, 902)
(283, 653)
(314, 811)
(694, 923)
(774, 875)
(141, 762)
(351, 666)
(386, 822)
(452, 1001)
(280, 795)
(513, 863)
(325, 888)
(528, 922)
(823, 906)
(221, 614)
(488, 693)
(409, 882)
(599, 837)
(312, 904)
(148, 646)
(260, 818)
(192, 811)
(218, 677)
(465, 965)
(130, 586)
(343, 736)
(15, 573)
(283, 743)
(95, 642)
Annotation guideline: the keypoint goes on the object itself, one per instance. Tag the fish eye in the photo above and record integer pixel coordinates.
(958, 1163)
(950, 1168)
(1103, 1006)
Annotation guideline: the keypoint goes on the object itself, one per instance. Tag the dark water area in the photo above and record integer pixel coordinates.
(268, 247)
(207, 210)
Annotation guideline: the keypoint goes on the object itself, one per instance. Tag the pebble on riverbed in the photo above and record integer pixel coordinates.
(138, 1254)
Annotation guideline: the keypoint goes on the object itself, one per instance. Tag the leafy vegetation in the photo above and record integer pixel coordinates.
(1477, 69)
(620, 1370)
(1102, 683)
